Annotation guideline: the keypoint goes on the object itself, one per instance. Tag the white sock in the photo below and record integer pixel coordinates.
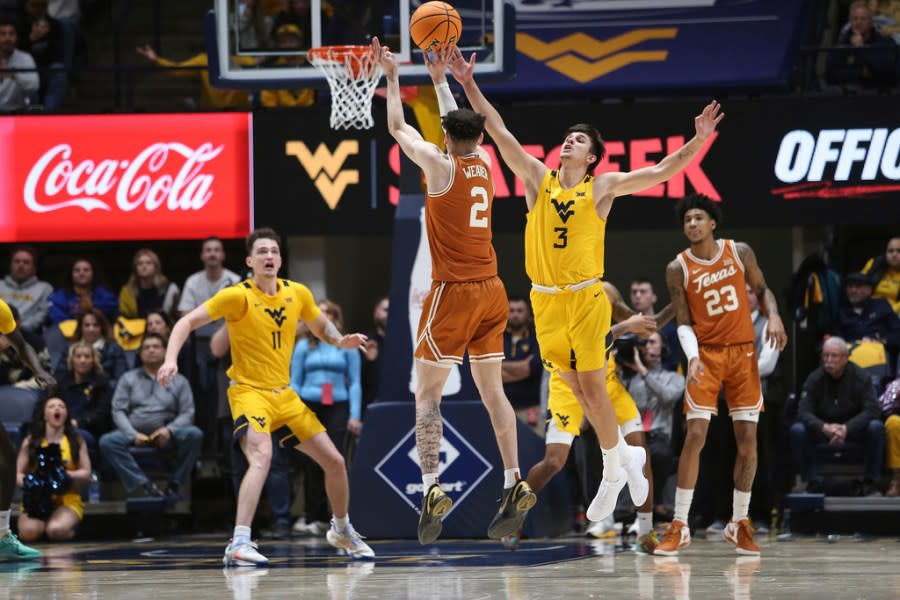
(429, 479)
(241, 534)
(741, 505)
(683, 499)
(612, 462)
(510, 477)
(4, 522)
(645, 523)
(340, 523)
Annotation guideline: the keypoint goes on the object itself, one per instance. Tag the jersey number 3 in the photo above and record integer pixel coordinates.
(480, 206)
(714, 300)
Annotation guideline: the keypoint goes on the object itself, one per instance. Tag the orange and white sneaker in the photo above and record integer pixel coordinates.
(740, 535)
(678, 536)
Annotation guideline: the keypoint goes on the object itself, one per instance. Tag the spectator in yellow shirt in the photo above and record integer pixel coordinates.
(288, 37)
(884, 271)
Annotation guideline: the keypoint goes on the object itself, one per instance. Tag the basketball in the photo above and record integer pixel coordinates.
(435, 24)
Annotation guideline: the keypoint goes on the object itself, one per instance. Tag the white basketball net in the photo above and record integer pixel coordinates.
(352, 78)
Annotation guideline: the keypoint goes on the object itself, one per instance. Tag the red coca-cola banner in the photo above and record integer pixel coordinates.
(124, 177)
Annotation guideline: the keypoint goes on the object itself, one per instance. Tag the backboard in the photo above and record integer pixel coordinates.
(246, 49)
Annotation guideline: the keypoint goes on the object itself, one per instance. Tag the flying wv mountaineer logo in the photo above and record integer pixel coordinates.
(277, 315)
(564, 209)
(325, 167)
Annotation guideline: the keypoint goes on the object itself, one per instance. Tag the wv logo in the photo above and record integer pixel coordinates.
(603, 57)
(564, 419)
(564, 210)
(261, 421)
(277, 315)
(324, 168)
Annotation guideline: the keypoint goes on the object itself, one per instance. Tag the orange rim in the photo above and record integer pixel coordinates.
(337, 52)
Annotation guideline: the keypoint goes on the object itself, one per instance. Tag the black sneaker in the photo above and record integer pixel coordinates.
(435, 504)
(516, 503)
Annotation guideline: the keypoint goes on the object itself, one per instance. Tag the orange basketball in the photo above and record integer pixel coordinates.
(435, 24)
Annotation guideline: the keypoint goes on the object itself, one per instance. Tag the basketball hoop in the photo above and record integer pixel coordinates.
(352, 73)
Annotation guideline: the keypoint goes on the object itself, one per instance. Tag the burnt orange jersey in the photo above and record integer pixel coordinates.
(458, 221)
(716, 294)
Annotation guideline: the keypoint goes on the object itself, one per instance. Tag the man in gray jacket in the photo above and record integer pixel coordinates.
(15, 86)
(656, 391)
(149, 415)
(838, 405)
(23, 290)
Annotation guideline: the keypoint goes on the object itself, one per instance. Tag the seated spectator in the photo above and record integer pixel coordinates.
(42, 36)
(159, 322)
(59, 517)
(865, 317)
(872, 60)
(288, 37)
(254, 22)
(210, 97)
(656, 391)
(94, 329)
(22, 290)
(327, 378)
(521, 369)
(15, 86)
(884, 272)
(837, 405)
(147, 288)
(297, 13)
(146, 415)
(80, 294)
(85, 388)
(890, 409)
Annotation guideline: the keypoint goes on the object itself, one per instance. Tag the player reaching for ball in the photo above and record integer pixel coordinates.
(466, 309)
(565, 237)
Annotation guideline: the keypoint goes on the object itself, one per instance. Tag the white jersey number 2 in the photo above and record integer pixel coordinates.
(480, 206)
(724, 299)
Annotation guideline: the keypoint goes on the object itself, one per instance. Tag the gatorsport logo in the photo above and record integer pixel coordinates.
(584, 58)
(461, 468)
(325, 168)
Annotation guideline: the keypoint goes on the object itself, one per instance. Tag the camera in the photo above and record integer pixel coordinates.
(624, 346)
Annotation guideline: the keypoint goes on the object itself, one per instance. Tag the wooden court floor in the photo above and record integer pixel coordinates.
(190, 568)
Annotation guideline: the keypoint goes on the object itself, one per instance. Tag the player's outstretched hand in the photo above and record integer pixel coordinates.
(166, 373)
(385, 58)
(642, 326)
(353, 341)
(461, 69)
(705, 123)
(776, 336)
(437, 62)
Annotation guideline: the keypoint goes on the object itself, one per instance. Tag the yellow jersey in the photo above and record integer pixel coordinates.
(564, 236)
(7, 321)
(262, 329)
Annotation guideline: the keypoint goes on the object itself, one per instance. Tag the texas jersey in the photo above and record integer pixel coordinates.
(458, 221)
(716, 292)
(261, 329)
(564, 235)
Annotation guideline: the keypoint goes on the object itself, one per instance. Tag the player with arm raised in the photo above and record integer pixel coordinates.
(261, 314)
(466, 309)
(564, 252)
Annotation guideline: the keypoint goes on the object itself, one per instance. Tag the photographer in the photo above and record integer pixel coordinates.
(148, 415)
(656, 391)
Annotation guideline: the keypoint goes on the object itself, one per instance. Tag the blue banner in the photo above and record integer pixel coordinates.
(591, 47)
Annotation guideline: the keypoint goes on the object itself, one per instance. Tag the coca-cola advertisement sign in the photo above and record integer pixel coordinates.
(124, 177)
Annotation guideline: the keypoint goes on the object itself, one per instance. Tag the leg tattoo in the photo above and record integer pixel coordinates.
(429, 429)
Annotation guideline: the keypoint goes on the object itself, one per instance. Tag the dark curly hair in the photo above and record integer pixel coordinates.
(702, 202)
